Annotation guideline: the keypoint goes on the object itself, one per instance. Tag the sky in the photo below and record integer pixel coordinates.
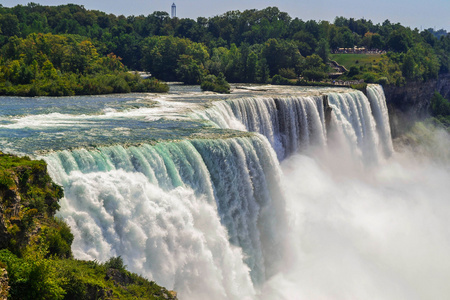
(421, 14)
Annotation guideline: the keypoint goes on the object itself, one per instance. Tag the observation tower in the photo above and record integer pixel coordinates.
(174, 10)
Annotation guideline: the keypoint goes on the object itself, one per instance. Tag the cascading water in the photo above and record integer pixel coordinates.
(293, 124)
(377, 100)
(173, 211)
(290, 124)
(178, 212)
(206, 212)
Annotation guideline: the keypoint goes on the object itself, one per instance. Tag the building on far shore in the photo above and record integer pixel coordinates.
(174, 10)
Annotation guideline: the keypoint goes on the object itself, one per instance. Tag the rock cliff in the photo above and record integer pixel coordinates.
(411, 102)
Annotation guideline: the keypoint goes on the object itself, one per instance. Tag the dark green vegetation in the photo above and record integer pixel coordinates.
(216, 84)
(249, 46)
(56, 65)
(35, 246)
(440, 110)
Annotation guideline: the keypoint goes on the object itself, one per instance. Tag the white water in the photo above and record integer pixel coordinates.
(290, 124)
(197, 217)
(359, 233)
(207, 218)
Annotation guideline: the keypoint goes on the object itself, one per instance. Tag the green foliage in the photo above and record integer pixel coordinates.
(280, 80)
(59, 239)
(115, 263)
(313, 68)
(440, 110)
(35, 277)
(188, 70)
(248, 46)
(165, 56)
(287, 73)
(29, 201)
(52, 65)
(216, 84)
(32, 277)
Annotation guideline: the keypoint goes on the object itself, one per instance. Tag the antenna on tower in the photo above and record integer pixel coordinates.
(174, 10)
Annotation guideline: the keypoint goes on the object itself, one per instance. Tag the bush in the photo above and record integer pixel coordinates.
(59, 239)
(383, 81)
(287, 73)
(32, 277)
(439, 106)
(115, 263)
(216, 84)
(279, 80)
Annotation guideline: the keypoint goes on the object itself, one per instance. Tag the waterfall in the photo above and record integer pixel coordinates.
(293, 124)
(290, 124)
(377, 100)
(208, 217)
(202, 217)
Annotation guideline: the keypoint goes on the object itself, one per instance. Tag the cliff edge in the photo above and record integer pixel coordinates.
(411, 102)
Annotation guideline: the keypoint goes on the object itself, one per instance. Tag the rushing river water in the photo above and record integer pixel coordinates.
(267, 193)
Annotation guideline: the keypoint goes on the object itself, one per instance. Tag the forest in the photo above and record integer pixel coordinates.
(71, 50)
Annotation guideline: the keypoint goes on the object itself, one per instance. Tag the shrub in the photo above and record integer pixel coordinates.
(279, 80)
(32, 277)
(59, 239)
(216, 84)
(115, 262)
(287, 73)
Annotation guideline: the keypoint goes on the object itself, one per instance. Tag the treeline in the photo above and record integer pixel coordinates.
(248, 46)
(47, 64)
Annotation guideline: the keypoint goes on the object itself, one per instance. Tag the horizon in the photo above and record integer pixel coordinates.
(415, 13)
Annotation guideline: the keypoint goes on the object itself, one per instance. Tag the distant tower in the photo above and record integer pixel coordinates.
(174, 10)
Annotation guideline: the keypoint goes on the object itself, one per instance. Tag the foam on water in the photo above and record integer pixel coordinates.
(215, 219)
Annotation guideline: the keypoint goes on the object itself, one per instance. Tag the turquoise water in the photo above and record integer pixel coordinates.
(188, 188)
(38, 125)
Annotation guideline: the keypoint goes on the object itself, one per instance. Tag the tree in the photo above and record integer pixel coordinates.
(314, 68)
(323, 50)
(189, 71)
(281, 54)
(399, 41)
(251, 66)
(9, 25)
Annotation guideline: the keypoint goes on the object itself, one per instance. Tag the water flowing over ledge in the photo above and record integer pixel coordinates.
(207, 216)
(295, 123)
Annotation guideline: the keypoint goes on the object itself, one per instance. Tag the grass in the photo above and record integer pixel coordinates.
(350, 60)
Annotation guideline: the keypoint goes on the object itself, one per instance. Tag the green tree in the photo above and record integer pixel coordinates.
(9, 25)
(189, 70)
(323, 50)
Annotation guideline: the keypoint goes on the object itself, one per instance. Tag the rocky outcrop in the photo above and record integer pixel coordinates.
(411, 102)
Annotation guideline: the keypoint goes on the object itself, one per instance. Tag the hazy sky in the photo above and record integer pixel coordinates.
(413, 13)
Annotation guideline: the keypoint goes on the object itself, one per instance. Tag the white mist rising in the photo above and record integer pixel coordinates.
(206, 217)
(367, 233)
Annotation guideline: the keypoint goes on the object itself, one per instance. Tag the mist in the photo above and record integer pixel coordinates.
(368, 232)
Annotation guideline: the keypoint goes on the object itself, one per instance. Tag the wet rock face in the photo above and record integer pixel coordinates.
(411, 102)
